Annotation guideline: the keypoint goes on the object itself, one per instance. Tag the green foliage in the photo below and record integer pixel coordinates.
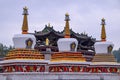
(117, 54)
(4, 49)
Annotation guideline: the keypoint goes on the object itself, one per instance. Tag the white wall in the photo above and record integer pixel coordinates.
(58, 76)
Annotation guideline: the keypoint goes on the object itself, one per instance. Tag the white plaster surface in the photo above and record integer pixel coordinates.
(58, 76)
(24, 60)
(19, 40)
(105, 63)
(102, 47)
(64, 44)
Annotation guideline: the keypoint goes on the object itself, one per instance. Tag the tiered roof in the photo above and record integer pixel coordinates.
(67, 56)
(104, 58)
(24, 54)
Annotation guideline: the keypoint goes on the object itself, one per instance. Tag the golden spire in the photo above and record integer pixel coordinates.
(103, 32)
(25, 21)
(67, 30)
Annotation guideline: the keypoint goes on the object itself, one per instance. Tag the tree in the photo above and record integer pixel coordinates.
(117, 54)
(4, 49)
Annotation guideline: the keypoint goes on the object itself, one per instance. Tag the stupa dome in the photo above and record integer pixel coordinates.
(24, 41)
(67, 44)
(103, 47)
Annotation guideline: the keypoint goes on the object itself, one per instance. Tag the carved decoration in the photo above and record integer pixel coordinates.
(29, 43)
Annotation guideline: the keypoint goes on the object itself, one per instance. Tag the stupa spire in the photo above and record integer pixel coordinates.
(67, 30)
(103, 32)
(25, 21)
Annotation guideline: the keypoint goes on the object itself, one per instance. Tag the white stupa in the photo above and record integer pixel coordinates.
(24, 40)
(67, 43)
(103, 46)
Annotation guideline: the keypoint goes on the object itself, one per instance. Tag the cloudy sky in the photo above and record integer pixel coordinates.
(85, 16)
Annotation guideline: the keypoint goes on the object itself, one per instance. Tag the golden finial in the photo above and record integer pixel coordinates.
(48, 24)
(103, 19)
(103, 32)
(25, 21)
(67, 30)
(25, 11)
(67, 14)
(47, 42)
(25, 7)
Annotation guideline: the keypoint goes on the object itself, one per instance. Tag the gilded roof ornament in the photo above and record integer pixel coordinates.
(48, 24)
(67, 30)
(103, 31)
(25, 7)
(103, 21)
(67, 14)
(47, 42)
(25, 11)
(67, 17)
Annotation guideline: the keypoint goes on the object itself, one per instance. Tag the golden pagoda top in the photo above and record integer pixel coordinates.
(67, 30)
(25, 21)
(103, 32)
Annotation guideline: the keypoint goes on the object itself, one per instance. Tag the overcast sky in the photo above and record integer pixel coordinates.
(85, 16)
